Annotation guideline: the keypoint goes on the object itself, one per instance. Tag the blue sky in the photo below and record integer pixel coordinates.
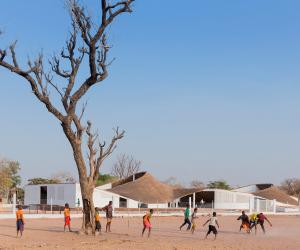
(208, 90)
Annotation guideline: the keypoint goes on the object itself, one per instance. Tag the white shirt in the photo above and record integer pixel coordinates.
(213, 221)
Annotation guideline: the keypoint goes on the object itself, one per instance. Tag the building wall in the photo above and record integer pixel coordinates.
(162, 205)
(132, 203)
(102, 198)
(231, 200)
(32, 194)
(57, 194)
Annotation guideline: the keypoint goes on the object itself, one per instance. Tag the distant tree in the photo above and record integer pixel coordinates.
(125, 166)
(291, 186)
(5, 183)
(20, 195)
(197, 184)
(221, 184)
(172, 181)
(106, 178)
(38, 181)
(63, 177)
(9, 178)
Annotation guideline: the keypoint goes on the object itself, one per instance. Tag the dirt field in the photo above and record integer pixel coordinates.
(48, 234)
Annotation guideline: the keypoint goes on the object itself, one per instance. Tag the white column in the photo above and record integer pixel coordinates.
(194, 200)
(274, 206)
(190, 202)
(250, 205)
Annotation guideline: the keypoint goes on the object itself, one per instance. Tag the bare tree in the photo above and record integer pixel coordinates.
(173, 181)
(292, 187)
(197, 184)
(91, 34)
(125, 166)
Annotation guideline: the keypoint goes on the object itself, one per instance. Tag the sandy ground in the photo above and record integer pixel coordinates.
(48, 234)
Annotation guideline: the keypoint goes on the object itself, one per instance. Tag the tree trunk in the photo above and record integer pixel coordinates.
(88, 209)
(86, 183)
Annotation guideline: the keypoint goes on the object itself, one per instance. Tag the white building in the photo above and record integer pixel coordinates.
(60, 194)
(142, 190)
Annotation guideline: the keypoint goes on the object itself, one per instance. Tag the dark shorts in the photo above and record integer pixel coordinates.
(212, 229)
(98, 225)
(20, 225)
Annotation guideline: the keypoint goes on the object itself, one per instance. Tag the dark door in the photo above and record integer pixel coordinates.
(43, 195)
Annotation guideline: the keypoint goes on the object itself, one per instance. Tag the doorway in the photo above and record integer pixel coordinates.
(43, 195)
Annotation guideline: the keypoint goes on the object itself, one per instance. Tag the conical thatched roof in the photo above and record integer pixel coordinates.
(145, 188)
(273, 192)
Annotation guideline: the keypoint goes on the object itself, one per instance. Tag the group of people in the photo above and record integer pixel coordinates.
(212, 222)
(248, 223)
(108, 211)
(255, 219)
(67, 218)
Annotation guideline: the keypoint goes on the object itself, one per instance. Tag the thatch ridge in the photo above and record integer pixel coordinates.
(273, 192)
(146, 189)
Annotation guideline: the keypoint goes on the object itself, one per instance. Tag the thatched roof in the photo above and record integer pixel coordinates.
(273, 192)
(145, 188)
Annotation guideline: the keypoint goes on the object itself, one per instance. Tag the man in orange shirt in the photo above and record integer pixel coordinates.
(67, 217)
(20, 221)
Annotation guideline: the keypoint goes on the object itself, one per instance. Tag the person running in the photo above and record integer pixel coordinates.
(186, 218)
(146, 222)
(193, 220)
(97, 220)
(253, 221)
(109, 215)
(20, 221)
(213, 221)
(261, 220)
(245, 222)
(67, 216)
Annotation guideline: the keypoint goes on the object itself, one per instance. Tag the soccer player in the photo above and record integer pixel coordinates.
(261, 220)
(186, 218)
(109, 215)
(193, 221)
(245, 222)
(20, 221)
(213, 221)
(146, 222)
(67, 217)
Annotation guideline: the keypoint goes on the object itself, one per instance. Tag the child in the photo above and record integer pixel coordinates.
(261, 220)
(20, 221)
(186, 218)
(97, 220)
(146, 222)
(67, 217)
(245, 222)
(212, 225)
(109, 215)
(194, 217)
